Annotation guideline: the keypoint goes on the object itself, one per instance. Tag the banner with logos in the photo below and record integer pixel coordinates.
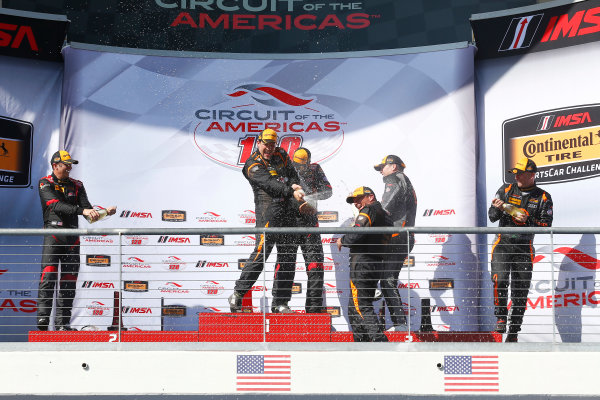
(164, 139)
(29, 130)
(267, 26)
(531, 110)
(32, 35)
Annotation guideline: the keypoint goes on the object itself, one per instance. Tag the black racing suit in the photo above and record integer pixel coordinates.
(271, 181)
(512, 254)
(62, 202)
(367, 253)
(317, 187)
(400, 201)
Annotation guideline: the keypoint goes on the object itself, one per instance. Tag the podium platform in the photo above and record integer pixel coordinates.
(255, 327)
(249, 327)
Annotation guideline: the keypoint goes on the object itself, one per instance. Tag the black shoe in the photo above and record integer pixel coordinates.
(501, 326)
(281, 309)
(42, 323)
(235, 302)
(512, 338)
(65, 328)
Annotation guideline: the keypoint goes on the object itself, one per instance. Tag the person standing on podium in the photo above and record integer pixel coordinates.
(400, 201)
(519, 204)
(277, 192)
(317, 187)
(367, 255)
(63, 200)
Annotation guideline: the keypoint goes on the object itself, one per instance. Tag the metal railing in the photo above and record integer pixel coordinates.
(175, 283)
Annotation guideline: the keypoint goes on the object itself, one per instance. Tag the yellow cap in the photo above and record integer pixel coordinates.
(361, 191)
(62, 156)
(268, 135)
(302, 156)
(523, 165)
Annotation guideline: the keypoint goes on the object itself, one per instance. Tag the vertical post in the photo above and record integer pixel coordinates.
(408, 268)
(553, 286)
(120, 284)
(264, 286)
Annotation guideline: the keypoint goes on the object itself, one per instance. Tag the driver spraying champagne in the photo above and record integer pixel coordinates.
(277, 194)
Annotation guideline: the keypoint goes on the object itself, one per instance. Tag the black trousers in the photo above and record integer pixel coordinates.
(312, 251)
(365, 274)
(60, 253)
(512, 264)
(400, 246)
(285, 267)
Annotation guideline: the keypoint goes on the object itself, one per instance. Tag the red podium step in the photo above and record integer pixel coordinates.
(254, 327)
(113, 336)
(231, 327)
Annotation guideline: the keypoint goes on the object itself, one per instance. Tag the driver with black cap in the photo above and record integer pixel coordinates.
(367, 252)
(63, 200)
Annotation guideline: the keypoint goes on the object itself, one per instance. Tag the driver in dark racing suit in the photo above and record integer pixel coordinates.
(400, 201)
(317, 187)
(277, 192)
(367, 254)
(63, 200)
(512, 254)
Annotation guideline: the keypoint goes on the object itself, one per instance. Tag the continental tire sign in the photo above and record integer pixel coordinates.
(564, 143)
(16, 139)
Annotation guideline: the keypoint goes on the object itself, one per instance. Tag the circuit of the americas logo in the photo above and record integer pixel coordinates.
(15, 152)
(564, 143)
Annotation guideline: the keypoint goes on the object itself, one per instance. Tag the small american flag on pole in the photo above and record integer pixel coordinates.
(477, 373)
(264, 373)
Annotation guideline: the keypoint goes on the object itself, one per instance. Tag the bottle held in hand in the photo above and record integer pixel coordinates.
(513, 211)
(101, 210)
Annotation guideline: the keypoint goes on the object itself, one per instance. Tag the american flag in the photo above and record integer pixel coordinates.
(471, 374)
(264, 373)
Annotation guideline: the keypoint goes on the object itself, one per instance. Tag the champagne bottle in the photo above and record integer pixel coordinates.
(512, 210)
(101, 210)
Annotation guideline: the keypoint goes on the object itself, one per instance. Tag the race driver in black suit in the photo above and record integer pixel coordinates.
(63, 200)
(512, 254)
(400, 201)
(317, 187)
(367, 252)
(277, 192)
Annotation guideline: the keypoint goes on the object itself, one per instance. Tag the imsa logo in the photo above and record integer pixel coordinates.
(97, 285)
(174, 240)
(136, 310)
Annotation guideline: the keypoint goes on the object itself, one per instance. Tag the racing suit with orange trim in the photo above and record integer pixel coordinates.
(367, 252)
(512, 254)
(400, 200)
(315, 184)
(62, 202)
(271, 182)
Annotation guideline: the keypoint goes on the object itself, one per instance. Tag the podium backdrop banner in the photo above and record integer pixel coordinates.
(165, 138)
(29, 122)
(526, 114)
